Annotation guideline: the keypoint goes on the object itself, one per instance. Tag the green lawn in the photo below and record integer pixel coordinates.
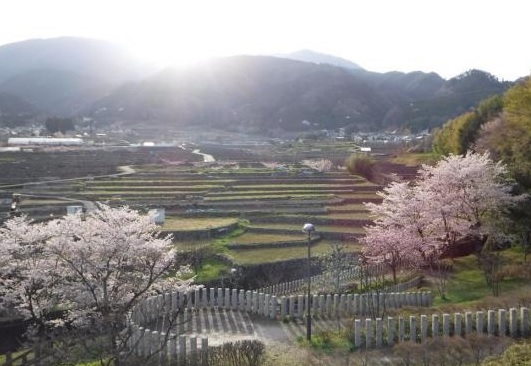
(265, 255)
(328, 228)
(467, 286)
(252, 238)
(184, 224)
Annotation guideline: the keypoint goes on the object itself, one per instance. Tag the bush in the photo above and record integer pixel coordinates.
(240, 353)
(361, 164)
(515, 355)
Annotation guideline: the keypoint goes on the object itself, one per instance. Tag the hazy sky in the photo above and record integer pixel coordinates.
(445, 36)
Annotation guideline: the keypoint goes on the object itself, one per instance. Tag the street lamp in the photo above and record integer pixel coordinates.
(309, 228)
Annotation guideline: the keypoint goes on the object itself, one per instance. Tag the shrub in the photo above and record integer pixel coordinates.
(516, 355)
(361, 164)
(240, 353)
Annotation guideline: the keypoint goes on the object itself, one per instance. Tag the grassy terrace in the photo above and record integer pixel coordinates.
(352, 216)
(130, 181)
(185, 224)
(268, 255)
(277, 192)
(199, 187)
(348, 207)
(273, 196)
(327, 228)
(258, 238)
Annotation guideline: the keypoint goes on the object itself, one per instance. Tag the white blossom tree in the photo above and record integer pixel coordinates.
(321, 165)
(95, 268)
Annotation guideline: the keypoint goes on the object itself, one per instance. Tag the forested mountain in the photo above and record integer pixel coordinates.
(15, 110)
(73, 76)
(261, 94)
(63, 75)
(320, 58)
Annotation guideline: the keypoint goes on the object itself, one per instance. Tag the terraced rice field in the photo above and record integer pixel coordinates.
(274, 204)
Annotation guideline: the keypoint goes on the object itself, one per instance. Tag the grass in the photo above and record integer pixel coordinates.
(269, 255)
(327, 228)
(351, 216)
(185, 224)
(111, 187)
(349, 207)
(415, 159)
(211, 269)
(249, 196)
(467, 286)
(252, 238)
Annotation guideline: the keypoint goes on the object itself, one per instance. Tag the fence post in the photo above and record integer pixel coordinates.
(283, 307)
(234, 299)
(204, 351)
(227, 292)
(468, 323)
(357, 333)
(423, 328)
(502, 322)
(400, 329)
(446, 325)
(491, 322)
(379, 332)
(212, 298)
(172, 349)
(368, 333)
(435, 325)
(457, 324)
(182, 350)
(315, 304)
(524, 321)
(292, 311)
(479, 323)
(273, 309)
(193, 350)
(390, 331)
(412, 328)
(513, 328)
(300, 306)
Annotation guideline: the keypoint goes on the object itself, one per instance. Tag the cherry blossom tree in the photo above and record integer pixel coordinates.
(321, 165)
(457, 198)
(95, 268)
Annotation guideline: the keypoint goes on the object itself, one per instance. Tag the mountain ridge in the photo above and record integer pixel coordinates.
(73, 77)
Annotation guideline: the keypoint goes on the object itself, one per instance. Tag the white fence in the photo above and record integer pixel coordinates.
(370, 333)
(271, 306)
(320, 281)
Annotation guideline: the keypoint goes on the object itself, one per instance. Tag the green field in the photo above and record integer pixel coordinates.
(185, 224)
(267, 255)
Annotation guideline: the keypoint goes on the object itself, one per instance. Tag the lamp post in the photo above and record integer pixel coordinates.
(309, 228)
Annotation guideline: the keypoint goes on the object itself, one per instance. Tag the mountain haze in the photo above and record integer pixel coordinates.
(83, 77)
(320, 58)
(63, 75)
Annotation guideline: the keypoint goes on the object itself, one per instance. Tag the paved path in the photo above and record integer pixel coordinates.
(222, 325)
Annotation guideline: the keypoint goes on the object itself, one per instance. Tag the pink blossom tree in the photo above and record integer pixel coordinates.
(96, 268)
(321, 165)
(457, 198)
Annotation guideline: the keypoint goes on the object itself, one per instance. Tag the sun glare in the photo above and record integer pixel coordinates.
(165, 53)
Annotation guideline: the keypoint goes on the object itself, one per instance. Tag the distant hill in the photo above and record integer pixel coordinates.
(264, 94)
(251, 93)
(62, 75)
(320, 58)
(76, 76)
(14, 110)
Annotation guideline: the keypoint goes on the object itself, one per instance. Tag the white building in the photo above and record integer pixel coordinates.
(47, 141)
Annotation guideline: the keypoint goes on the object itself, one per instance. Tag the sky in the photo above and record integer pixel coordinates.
(444, 36)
